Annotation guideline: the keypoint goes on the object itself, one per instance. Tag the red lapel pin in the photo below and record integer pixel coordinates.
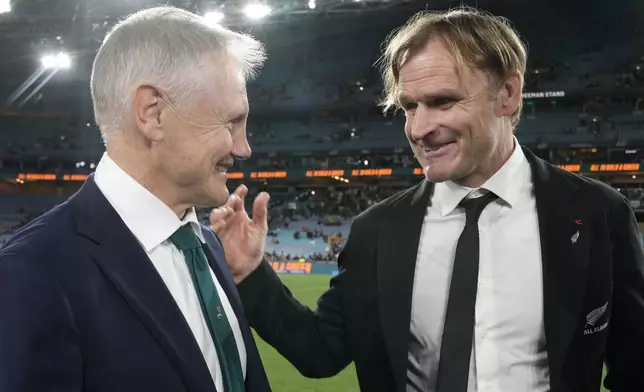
(578, 222)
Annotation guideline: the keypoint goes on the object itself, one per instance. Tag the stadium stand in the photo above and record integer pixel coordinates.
(313, 108)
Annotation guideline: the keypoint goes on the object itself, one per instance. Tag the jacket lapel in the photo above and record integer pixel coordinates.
(565, 246)
(216, 258)
(399, 235)
(125, 263)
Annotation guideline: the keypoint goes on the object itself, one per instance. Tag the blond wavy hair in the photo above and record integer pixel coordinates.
(476, 39)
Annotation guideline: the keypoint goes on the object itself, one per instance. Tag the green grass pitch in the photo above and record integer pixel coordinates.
(281, 374)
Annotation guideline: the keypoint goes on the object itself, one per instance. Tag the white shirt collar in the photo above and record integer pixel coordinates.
(148, 218)
(504, 183)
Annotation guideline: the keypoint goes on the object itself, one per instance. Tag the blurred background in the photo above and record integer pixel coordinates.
(321, 146)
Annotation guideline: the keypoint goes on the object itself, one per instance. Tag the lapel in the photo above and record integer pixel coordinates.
(564, 230)
(399, 235)
(216, 258)
(126, 265)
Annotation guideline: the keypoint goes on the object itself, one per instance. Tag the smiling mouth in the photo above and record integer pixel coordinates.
(222, 169)
(436, 147)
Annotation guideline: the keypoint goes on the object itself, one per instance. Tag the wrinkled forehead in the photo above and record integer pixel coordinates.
(434, 67)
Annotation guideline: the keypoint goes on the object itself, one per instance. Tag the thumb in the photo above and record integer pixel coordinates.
(260, 210)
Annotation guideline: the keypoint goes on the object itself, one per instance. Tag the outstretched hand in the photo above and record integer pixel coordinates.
(244, 239)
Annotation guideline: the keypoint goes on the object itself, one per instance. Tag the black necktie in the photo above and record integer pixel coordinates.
(458, 331)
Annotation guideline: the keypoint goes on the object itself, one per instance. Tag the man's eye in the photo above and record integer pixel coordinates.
(444, 102)
(409, 106)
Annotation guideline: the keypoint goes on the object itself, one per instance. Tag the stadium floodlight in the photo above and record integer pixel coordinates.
(312, 4)
(5, 6)
(257, 11)
(56, 61)
(213, 17)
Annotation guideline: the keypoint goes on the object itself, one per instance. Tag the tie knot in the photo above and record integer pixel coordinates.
(185, 238)
(475, 206)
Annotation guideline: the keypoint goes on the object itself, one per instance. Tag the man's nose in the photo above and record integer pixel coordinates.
(241, 147)
(423, 124)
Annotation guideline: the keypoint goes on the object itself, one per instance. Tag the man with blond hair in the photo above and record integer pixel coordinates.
(497, 273)
(120, 289)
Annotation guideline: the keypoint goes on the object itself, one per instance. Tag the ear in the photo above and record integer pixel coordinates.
(509, 95)
(147, 107)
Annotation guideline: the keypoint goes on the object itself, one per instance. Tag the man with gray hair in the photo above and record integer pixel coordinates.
(120, 288)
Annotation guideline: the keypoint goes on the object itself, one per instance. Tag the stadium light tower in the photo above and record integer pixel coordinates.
(56, 61)
(257, 11)
(214, 17)
(5, 6)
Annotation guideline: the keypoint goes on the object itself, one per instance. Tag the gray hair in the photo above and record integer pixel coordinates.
(167, 47)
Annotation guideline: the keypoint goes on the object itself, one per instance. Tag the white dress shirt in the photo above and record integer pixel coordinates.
(508, 353)
(152, 223)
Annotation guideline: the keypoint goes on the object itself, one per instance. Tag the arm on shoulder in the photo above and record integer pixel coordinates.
(38, 339)
(625, 356)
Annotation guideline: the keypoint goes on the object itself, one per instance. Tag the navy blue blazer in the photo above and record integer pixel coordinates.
(82, 308)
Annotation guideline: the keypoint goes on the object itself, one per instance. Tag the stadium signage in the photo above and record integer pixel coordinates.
(37, 177)
(371, 172)
(602, 167)
(544, 94)
(292, 267)
(325, 173)
(75, 177)
(235, 175)
(615, 167)
(571, 168)
(295, 174)
(268, 174)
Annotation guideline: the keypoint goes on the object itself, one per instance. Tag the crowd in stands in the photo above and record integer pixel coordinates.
(320, 217)
(337, 91)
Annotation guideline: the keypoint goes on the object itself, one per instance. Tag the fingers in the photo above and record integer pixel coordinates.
(236, 199)
(218, 217)
(260, 210)
(241, 192)
(218, 226)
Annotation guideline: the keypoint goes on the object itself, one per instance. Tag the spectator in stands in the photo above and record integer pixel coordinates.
(96, 295)
(549, 285)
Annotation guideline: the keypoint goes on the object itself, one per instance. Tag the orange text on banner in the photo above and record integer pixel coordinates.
(292, 267)
(37, 177)
(614, 167)
(273, 174)
(324, 173)
(75, 177)
(571, 168)
(371, 172)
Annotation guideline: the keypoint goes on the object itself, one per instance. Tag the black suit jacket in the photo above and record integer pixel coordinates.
(365, 314)
(82, 308)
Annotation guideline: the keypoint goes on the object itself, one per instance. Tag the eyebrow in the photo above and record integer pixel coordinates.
(238, 114)
(403, 99)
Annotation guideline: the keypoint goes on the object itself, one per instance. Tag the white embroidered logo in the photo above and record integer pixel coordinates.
(593, 317)
(574, 237)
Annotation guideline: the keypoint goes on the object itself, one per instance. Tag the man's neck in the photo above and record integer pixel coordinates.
(139, 169)
(495, 163)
